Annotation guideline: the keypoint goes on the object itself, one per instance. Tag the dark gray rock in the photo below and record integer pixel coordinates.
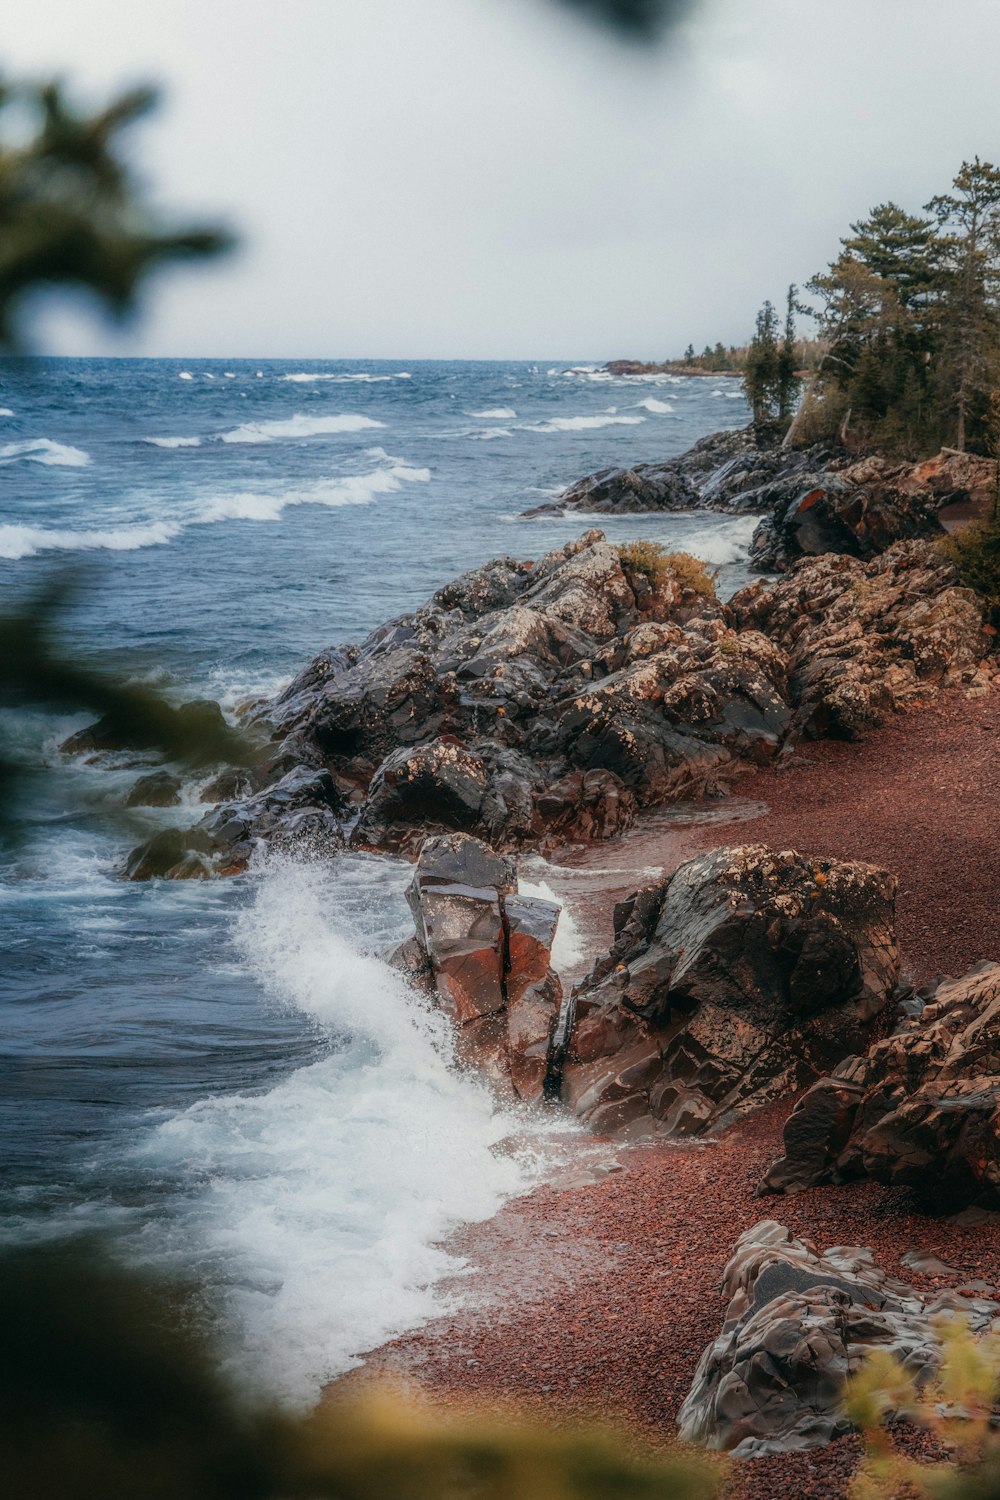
(158, 789)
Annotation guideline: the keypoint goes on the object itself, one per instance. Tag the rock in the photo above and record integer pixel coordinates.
(158, 789)
(866, 639)
(920, 1108)
(120, 731)
(728, 985)
(299, 812)
(484, 951)
(797, 1324)
(525, 703)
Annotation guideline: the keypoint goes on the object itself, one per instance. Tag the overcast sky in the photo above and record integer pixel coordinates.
(492, 178)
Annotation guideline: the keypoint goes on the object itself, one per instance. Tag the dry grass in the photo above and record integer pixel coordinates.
(650, 559)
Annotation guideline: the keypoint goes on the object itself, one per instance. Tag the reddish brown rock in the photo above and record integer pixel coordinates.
(920, 1108)
(729, 985)
(484, 952)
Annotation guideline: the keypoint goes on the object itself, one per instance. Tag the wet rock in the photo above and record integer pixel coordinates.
(158, 789)
(484, 952)
(920, 1108)
(728, 985)
(298, 812)
(866, 639)
(798, 1323)
(441, 784)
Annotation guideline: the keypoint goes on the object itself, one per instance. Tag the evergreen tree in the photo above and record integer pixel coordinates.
(761, 372)
(969, 222)
(689, 355)
(787, 382)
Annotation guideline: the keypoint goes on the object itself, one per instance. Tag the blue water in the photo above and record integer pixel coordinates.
(223, 1079)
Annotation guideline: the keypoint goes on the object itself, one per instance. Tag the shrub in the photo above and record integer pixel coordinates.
(658, 565)
(975, 551)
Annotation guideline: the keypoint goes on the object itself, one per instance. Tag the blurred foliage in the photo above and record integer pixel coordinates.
(71, 213)
(35, 667)
(103, 1396)
(643, 20)
(958, 1408)
(975, 551)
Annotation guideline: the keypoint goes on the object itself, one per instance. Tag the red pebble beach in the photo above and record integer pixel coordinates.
(598, 1294)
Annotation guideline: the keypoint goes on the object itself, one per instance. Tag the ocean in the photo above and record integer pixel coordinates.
(223, 1082)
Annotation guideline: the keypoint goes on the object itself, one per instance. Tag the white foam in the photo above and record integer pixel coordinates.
(230, 374)
(727, 542)
(495, 413)
(17, 542)
(651, 404)
(298, 426)
(315, 1211)
(5, 411)
(487, 433)
(185, 375)
(581, 424)
(44, 451)
(173, 442)
(567, 949)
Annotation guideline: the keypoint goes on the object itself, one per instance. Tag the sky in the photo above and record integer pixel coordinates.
(497, 179)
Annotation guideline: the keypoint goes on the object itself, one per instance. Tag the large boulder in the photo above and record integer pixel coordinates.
(920, 1108)
(730, 984)
(483, 951)
(866, 639)
(525, 703)
(798, 1323)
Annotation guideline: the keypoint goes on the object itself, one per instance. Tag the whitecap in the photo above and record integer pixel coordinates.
(230, 374)
(185, 375)
(44, 451)
(579, 424)
(173, 442)
(17, 542)
(298, 426)
(651, 404)
(487, 433)
(315, 1212)
(495, 413)
(725, 543)
(5, 411)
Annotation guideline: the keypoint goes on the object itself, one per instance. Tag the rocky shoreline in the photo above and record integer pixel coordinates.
(556, 704)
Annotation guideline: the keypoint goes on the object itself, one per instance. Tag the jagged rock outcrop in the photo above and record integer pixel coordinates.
(813, 500)
(158, 789)
(528, 703)
(865, 639)
(728, 985)
(798, 1322)
(920, 1108)
(727, 471)
(484, 951)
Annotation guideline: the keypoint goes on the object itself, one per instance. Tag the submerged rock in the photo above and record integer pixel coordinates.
(730, 984)
(202, 717)
(920, 1108)
(798, 1322)
(158, 789)
(483, 951)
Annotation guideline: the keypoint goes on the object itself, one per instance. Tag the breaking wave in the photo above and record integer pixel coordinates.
(17, 542)
(174, 442)
(495, 413)
(44, 451)
(299, 426)
(651, 404)
(580, 424)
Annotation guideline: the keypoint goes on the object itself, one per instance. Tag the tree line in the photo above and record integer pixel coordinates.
(908, 317)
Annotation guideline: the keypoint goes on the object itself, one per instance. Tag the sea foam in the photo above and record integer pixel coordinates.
(495, 413)
(17, 542)
(313, 1213)
(581, 424)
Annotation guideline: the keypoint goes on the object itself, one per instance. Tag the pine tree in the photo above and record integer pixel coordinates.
(761, 373)
(787, 382)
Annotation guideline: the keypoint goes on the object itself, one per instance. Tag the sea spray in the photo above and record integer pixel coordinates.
(313, 1212)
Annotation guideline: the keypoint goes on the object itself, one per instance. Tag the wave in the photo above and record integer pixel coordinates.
(5, 411)
(173, 442)
(314, 1213)
(299, 426)
(17, 542)
(495, 413)
(580, 424)
(44, 451)
(721, 544)
(487, 433)
(651, 404)
(308, 377)
(185, 375)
